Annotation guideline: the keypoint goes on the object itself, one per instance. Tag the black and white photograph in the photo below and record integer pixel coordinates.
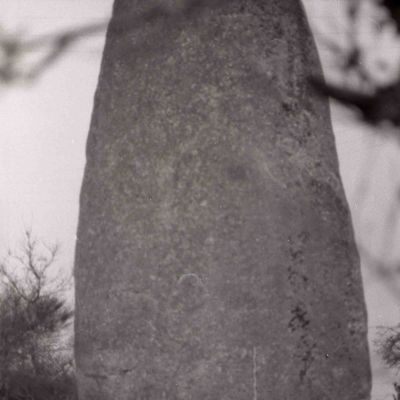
(199, 200)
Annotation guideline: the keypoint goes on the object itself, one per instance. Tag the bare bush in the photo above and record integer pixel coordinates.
(34, 356)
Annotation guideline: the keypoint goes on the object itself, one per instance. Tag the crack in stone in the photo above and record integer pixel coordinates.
(103, 377)
(96, 376)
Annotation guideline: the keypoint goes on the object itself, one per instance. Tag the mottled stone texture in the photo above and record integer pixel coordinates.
(215, 255)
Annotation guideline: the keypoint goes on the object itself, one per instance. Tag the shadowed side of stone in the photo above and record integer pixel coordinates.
(215, 257)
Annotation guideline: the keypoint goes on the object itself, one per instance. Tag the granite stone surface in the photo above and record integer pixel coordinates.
(215, 257)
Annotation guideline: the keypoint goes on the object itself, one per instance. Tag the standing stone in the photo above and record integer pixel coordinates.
(215, 257)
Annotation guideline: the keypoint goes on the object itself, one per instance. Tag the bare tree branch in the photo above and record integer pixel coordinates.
(13, 48)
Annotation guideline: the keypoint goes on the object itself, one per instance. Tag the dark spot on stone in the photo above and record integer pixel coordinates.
(298, 183)
(304, 236)
(286, 106)
(125, 371)
(237, 173)
(294, 277)
(299, 318)
(296, 248)
(294, 254)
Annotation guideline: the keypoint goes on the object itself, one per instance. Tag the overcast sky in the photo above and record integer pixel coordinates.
(44, 127)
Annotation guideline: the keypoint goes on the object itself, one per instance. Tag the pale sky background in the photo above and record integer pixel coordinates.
(44, 127)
